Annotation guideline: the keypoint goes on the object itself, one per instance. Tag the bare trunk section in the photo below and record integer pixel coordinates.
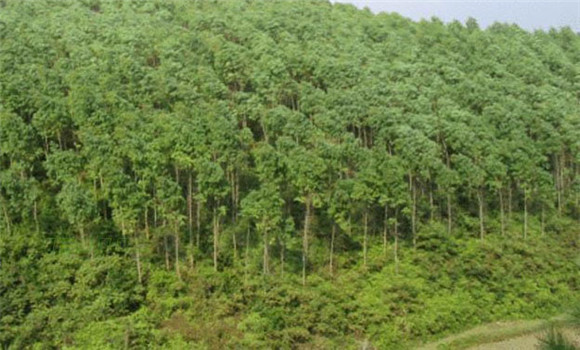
(138, 259)
(35, 214)
(215, 239)
(332, 235)
(282, 256)
(525, 213)
(82, 234)
(197, 223)
(396, 246)
(543, 224)
(6, 215)
(509, 213)
(166, 246)
(449, 219)
(431, 204)
(501, 213)
(558, 184)
(247, 253)
(365, 243)
(386, 230)
(176, 237)
(414, 209)
(481, 224)
(308, 205)
(190, 217)
(266, 253)
(146, 221)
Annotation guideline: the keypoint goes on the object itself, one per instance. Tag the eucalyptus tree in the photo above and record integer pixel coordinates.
(265, 204)
(306, 172)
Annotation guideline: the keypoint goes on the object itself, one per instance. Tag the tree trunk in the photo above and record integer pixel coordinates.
(190, 216)
(101, 181)
(543, 220)
(176, 235)
(396, 247)
(35, 214)
(509, 213)
(234, 213)
(365, 243)
(282, 256)
(414, 209)
(386, 230)
(82, 234)
(166, 246)
(308, 205)
(266, 254)
(501, 214)
(247, 253)
(146, 221)
(481, 225)
(333, 234)
(6, 215)
(449, 219)
(558, 185)
(431, 205)
(215, 239)
(197, 223)
(138, 260)
(525, 213)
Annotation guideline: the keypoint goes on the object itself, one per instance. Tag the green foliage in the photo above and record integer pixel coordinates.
(169, 170)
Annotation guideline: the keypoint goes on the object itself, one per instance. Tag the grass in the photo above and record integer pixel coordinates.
(495, 332)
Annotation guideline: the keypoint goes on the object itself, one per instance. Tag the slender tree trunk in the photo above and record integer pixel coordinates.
(509, 213)
(414, 210)
(35, 214)
(431, 205)
(481, 225)
(282, 257)
(525, 213)
(154, 214)
(190, 217)
(266, 253)
(543, 220)
(396, 247)
(215, 239)
(6, 216)
(138, 259)
(386, 230)
(82, 234)
(197, 223)
(561, 168)
(101, 181)
(166, 246)
(333, 234)
(449, 218)
(558, 185)
(501, 213)
(366, 229)
(176, 235)
(247, 253)
(234, 213)
(308, 205)
(176, 174)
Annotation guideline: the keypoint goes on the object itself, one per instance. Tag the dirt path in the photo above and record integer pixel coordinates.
(512, 335)
(529, 341)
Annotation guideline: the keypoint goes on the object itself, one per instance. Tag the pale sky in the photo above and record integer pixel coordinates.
(528, 14)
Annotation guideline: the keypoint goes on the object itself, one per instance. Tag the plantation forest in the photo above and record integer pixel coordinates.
(279, 175)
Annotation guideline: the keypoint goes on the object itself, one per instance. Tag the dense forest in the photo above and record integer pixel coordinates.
(279, 174)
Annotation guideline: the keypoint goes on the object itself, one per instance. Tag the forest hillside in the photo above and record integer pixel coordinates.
(279, 174)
